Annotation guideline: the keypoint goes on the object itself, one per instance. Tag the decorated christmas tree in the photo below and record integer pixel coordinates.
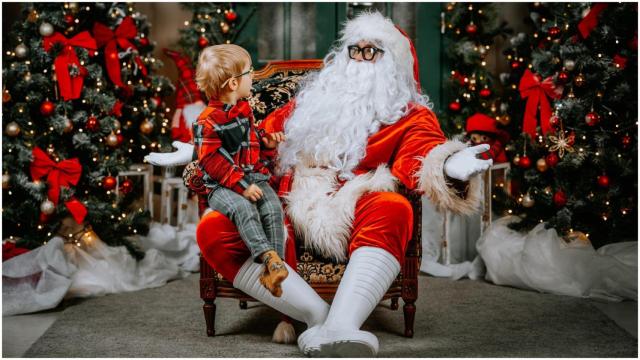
(572, 101)
(80, 105)
(469, 32)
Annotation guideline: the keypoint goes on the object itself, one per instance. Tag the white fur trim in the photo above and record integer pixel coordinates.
(322, 214)
(432, 181)
(373, 26)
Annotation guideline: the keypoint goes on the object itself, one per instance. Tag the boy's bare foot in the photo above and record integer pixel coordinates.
(274, 273)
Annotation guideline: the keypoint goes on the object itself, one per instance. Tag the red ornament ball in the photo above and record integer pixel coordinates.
(472, 29)
(231, 16)
(485, 93)
(515, 64)
(554, 121)
(47, 108)
(563, 77)
(126, 186)
(120, 139)
(626, 141)
(109, 183)
(44, 218)
(560, 198)
(603, 181)
(571, 139)
(203, 42)
(525, 162)
(92, 124)
(592, 118)
(68, 19)
(455, 106)
(554, 31)
(552, 159)
(144, 41)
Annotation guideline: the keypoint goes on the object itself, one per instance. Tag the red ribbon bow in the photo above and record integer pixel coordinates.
(64, 173)
(120, 37)
(537, 91)
(70, 88)
(590, 21)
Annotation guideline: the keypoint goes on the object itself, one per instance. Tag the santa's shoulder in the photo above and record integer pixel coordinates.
(420, 115)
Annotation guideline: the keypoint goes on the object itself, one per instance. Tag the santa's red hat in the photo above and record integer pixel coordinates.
(481, 123)
(374, 27)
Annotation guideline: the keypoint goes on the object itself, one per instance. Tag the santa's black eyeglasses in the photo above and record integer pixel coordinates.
(368, 52)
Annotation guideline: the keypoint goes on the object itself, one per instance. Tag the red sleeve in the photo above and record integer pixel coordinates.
(423, 135)
(217, 163)
(273, 123)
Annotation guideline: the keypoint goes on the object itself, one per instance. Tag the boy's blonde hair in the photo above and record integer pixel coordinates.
(217, 64)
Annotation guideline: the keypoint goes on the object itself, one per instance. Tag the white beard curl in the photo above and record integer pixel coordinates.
(339, 107)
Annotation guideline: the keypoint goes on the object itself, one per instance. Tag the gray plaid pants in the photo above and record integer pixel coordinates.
(260, 224)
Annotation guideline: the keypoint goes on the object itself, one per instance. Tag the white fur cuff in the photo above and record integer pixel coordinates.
(431, 180)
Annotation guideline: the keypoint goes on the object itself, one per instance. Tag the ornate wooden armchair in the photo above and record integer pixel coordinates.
(274, 85)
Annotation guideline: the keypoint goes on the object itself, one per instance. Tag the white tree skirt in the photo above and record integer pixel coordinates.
(40, 279)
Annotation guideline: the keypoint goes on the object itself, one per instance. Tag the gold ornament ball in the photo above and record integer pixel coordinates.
(116, 125)
(225, 28)
(548, 190)
(68, 125)
(542, 165)
(73, 6)
(146, 127)
(112, 140)
(516, 160)
(579, 80)
(27, 77)
(12, 129)
(527, 201)
(47, 207)
(6, 96)
(45, 29)
(33, 16)
(569, 64)
(21, 51)
(6, 178)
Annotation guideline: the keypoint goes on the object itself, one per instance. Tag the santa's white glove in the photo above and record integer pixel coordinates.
(180, 157)
(464, 164)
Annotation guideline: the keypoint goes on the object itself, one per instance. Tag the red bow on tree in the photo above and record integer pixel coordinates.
(537, 90)
(64, 173)
(112, 39)
(70, 86)
(589, 22)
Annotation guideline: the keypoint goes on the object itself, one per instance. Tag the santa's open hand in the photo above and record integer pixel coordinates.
(180, 157)
(272, 140)
(464, 164)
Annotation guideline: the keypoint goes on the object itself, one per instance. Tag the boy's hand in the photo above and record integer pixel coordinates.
(252, 193)
(273, 139)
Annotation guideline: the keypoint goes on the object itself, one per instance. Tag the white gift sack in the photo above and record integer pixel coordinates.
(36, 280)
(178, 246)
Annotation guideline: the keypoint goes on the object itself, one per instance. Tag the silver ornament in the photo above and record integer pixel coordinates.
(504, 107)
(46, 29)
(116, 125)
(21, 51)
(47, 207)
(569, 64)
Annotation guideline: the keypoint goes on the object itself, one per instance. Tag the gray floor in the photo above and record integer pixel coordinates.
(21, 332)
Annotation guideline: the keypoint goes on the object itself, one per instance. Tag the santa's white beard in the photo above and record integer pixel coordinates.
(339, 108)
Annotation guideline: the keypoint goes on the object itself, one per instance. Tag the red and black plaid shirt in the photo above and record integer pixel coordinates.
(227, 145)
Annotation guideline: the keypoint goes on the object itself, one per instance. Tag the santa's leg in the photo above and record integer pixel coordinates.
(225, 251)
(382, 229)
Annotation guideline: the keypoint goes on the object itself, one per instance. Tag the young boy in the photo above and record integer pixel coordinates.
(232, 160)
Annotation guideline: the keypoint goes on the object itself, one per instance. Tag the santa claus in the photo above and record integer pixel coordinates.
(358, 129)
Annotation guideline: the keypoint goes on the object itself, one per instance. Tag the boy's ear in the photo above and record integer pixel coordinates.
(233, 84)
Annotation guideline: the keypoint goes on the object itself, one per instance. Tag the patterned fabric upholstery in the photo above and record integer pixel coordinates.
(273, 92)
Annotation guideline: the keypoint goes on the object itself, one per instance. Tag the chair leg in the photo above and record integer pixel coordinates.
(409, 317)
(209, 308)
(394, 303)
(243, 305)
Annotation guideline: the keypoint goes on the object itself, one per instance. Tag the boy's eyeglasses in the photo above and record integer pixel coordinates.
(368, 52)
(250, 71)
